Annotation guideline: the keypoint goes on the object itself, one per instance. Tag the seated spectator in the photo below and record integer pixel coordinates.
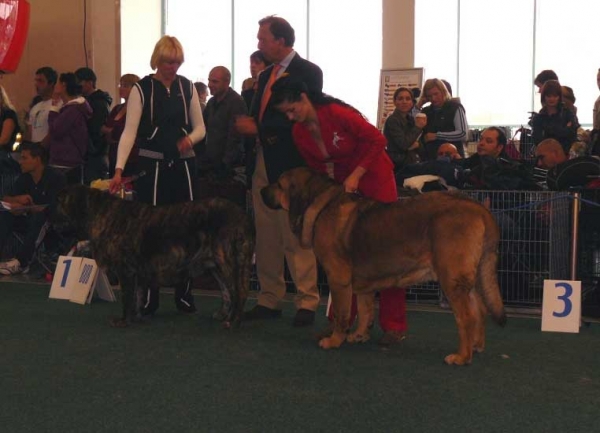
(564, 173)
(402, 130)
(554, 120)
(68, 130)
(115, 124)
(257, 64)
(202, 90)
(491, 168)
(446, 119)
(542, 77)
(448, 151)
(37, 185)
(446, 166)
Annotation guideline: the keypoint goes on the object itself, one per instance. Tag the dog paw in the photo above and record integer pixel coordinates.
(331, 342)
(478, 348)
(325, 343)
(456, 359)
(356, 337)
(220, 315)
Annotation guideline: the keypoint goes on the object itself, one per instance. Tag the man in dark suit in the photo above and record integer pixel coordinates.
(275, 153)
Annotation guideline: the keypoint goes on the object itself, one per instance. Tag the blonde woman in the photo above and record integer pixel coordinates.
(164, 119)
(446, 119)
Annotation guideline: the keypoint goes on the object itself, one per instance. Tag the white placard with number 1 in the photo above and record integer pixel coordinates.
(561, 308)
(65, 276)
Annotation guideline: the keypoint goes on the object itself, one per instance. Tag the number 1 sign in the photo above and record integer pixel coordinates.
(65, 275)
(77, 278)
(561, 308)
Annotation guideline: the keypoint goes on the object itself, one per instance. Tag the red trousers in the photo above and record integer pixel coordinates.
(392, 309)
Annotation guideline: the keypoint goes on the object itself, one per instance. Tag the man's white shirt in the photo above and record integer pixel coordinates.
(38, 119)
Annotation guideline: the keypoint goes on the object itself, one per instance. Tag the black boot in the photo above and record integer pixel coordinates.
(184, 301)
(150, 301)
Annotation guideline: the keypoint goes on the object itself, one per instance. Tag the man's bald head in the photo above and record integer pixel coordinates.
(218, 81)
(549, 153)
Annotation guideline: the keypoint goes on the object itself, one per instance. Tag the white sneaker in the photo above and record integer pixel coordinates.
(11, 267)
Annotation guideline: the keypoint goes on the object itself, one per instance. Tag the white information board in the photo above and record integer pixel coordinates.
(561, 307)
(390, 80)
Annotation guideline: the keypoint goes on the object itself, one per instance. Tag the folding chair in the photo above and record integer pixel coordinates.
(38, 248)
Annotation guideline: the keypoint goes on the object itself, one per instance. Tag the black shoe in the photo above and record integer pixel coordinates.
(184, 300)
(304, 318)
(260, 312)
(151, 301)
(185, 305)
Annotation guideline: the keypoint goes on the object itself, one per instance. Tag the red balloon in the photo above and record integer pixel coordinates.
(14, 26)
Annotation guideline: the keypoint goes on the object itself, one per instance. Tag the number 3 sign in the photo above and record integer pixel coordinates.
(561, 308)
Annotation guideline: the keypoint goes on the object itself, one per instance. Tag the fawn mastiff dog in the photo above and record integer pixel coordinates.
(365, 246)
(148, 246)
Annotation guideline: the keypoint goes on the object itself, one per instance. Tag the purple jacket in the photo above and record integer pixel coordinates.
(69, 133)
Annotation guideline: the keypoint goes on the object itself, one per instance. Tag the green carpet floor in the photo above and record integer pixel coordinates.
(63, 369)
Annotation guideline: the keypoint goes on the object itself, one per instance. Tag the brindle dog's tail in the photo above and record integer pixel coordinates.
(487, 278)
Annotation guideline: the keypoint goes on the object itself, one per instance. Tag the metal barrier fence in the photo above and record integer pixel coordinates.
(588, 263)
(534, 246)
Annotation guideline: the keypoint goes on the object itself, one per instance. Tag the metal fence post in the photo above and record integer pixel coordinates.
(574, 235)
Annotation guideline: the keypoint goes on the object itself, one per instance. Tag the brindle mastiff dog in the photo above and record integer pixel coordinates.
(155, 247)
(365, 246)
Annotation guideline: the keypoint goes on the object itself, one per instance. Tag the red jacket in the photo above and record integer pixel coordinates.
(350, 141)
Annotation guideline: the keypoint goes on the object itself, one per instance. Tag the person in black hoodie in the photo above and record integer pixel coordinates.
(96, 166)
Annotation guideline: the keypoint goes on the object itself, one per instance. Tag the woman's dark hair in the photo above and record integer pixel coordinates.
(258, 56)
(569, 94)
(551, 87)
(72, 86)
(404, 89)
(545, 75)
(288, 89)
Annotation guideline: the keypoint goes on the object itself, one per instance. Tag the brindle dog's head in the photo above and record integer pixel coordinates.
(297, 191)
(72, 210)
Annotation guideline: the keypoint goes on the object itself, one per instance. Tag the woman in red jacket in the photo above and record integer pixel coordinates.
(336, 139)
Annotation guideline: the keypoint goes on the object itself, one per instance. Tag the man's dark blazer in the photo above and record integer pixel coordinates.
(275, 130)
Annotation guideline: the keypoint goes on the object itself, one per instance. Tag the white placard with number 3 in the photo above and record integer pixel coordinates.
(561, 308)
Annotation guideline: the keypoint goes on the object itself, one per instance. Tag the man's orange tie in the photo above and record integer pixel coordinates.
(267, 92)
